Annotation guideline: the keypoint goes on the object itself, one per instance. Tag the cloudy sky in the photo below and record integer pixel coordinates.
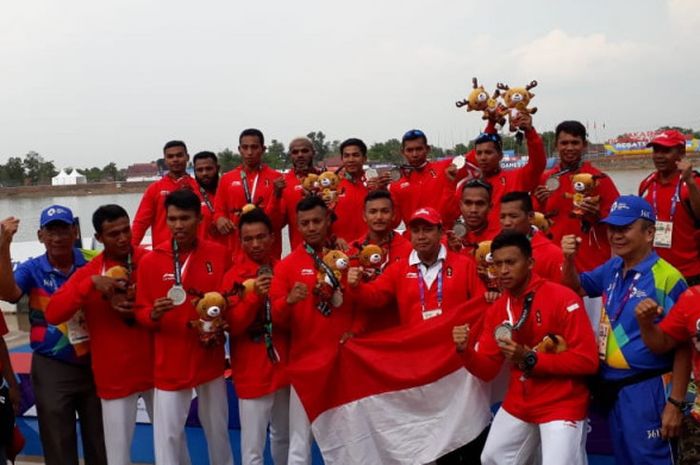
(87, 82)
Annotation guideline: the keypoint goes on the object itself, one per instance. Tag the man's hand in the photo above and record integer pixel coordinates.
(646, 312)
(297, 294)
(355, 276)
(523, 121)
(491, 296)
(541, 193)
(512, 351)
(262, 284)
(160, 307)
(460, 336)
(342, 245)
(8, 228)
(671, 420)
(569, 245)
(451, 172)
(454, 243)
(108, 286)
(225, 226)
(686, 170)
(278, 185)
(591, 206)
(123, 305)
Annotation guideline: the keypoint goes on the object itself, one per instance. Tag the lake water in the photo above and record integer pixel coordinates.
(28, 209)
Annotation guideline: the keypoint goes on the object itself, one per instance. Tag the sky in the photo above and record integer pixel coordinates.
(85, 83)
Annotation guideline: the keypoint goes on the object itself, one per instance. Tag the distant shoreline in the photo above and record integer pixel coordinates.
(109, 188)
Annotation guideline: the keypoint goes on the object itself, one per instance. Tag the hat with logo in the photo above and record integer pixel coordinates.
(427, 214)
(629, 208)
(56, 213)
(669, 138)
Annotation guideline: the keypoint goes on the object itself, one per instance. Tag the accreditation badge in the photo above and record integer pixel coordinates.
(664, 234)
(77, 328)
(428, 314)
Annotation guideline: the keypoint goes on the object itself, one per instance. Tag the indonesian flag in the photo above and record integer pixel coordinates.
(400, 396)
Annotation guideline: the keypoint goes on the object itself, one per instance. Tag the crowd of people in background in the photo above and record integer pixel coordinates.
(582, 301)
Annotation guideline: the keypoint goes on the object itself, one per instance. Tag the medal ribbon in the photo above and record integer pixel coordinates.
(674, 200)
(527, 306)
(249, 195)
(205, 196)
(628, 294)
(179, 269)
(323, 306)
(267, 325)
(421, 288)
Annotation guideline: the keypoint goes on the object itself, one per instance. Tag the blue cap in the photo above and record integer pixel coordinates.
(56, 213)
(629, 208)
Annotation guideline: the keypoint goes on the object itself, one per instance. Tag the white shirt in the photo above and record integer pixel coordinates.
(429, 273)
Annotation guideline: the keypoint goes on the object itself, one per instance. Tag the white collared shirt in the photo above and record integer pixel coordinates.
(429, 272)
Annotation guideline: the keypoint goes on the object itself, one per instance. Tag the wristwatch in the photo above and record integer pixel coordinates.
(528, 362)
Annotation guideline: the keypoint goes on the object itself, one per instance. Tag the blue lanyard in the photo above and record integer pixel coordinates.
(421, 288)
(674, 200)
(625, 299)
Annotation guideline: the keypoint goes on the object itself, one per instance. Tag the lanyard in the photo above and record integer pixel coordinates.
(179, 269)
(319, 264)
(267, 328)
(129, 265)
(421, 288)
(205, 196)
(674, 200)
(570, 169)
(249, 194)
(527, 305)
(628, 294)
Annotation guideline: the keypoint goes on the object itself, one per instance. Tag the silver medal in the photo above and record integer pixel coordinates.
(552, 183)
(459, 230)
(503, 331)
(371, 173)
(337, 298)
(395, 174)
(459, 161)
(177, 294)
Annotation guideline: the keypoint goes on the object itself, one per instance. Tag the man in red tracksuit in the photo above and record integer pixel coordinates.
(488, 153)
(541, 328)
(176, 271)
(122, 352)
(248, 185)
(474, 205)
(517, 215)
(258, 350)
(151, 211)
(206, 173)
(288, 190)
(313, 321)
(378, 214)
(553, 201)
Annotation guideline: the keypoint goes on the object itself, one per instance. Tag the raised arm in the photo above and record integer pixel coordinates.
(9, 290)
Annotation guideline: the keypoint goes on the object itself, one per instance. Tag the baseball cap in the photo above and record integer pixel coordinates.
(413, 134)
(56, 213)
(427, 214)
(669, 138)
(627, 209)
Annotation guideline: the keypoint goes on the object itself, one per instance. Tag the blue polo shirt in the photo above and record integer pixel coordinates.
(626, 353)
(38, 279)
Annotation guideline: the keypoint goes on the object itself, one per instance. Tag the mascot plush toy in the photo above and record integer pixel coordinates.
(128, 293)
(371, 258)
(329, 182)
(551, 344)
(517, 99)
(479, 100)
(310, 184)
(338, 262)
(584, 185)
(541, 222)
(211, 324)
(485, 267)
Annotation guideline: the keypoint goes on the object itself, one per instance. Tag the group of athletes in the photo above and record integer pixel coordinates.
(577, 298)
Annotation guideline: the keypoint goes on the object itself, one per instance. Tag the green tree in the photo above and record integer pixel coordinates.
(38, 170)
(385, 152)
(318, 138)
(228, 159)
(14, 174)
(110, 172)
(275, 156)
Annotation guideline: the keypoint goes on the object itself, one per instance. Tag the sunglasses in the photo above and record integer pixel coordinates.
(476, 182)
(413, 134)
(488, 137)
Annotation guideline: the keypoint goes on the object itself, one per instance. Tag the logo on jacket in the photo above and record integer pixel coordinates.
(168, 277)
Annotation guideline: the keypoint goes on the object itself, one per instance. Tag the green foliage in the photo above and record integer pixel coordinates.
(321, 146)
(385, 152)
(228, 159)
(276, 157)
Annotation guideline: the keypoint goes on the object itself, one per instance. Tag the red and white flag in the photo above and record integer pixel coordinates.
(400, 396)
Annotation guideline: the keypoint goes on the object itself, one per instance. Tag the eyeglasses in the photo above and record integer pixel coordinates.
(302, 150)
(413, 134)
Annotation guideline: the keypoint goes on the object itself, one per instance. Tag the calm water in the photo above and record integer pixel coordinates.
(28, 209)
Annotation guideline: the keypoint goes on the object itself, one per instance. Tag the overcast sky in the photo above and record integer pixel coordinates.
(87, 82)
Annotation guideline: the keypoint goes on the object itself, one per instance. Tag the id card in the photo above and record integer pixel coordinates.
(428, 314)
(664, 234)
(603, 333)
(77, 328)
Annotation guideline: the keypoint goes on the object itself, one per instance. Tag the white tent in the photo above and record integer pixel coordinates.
(68, 179)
